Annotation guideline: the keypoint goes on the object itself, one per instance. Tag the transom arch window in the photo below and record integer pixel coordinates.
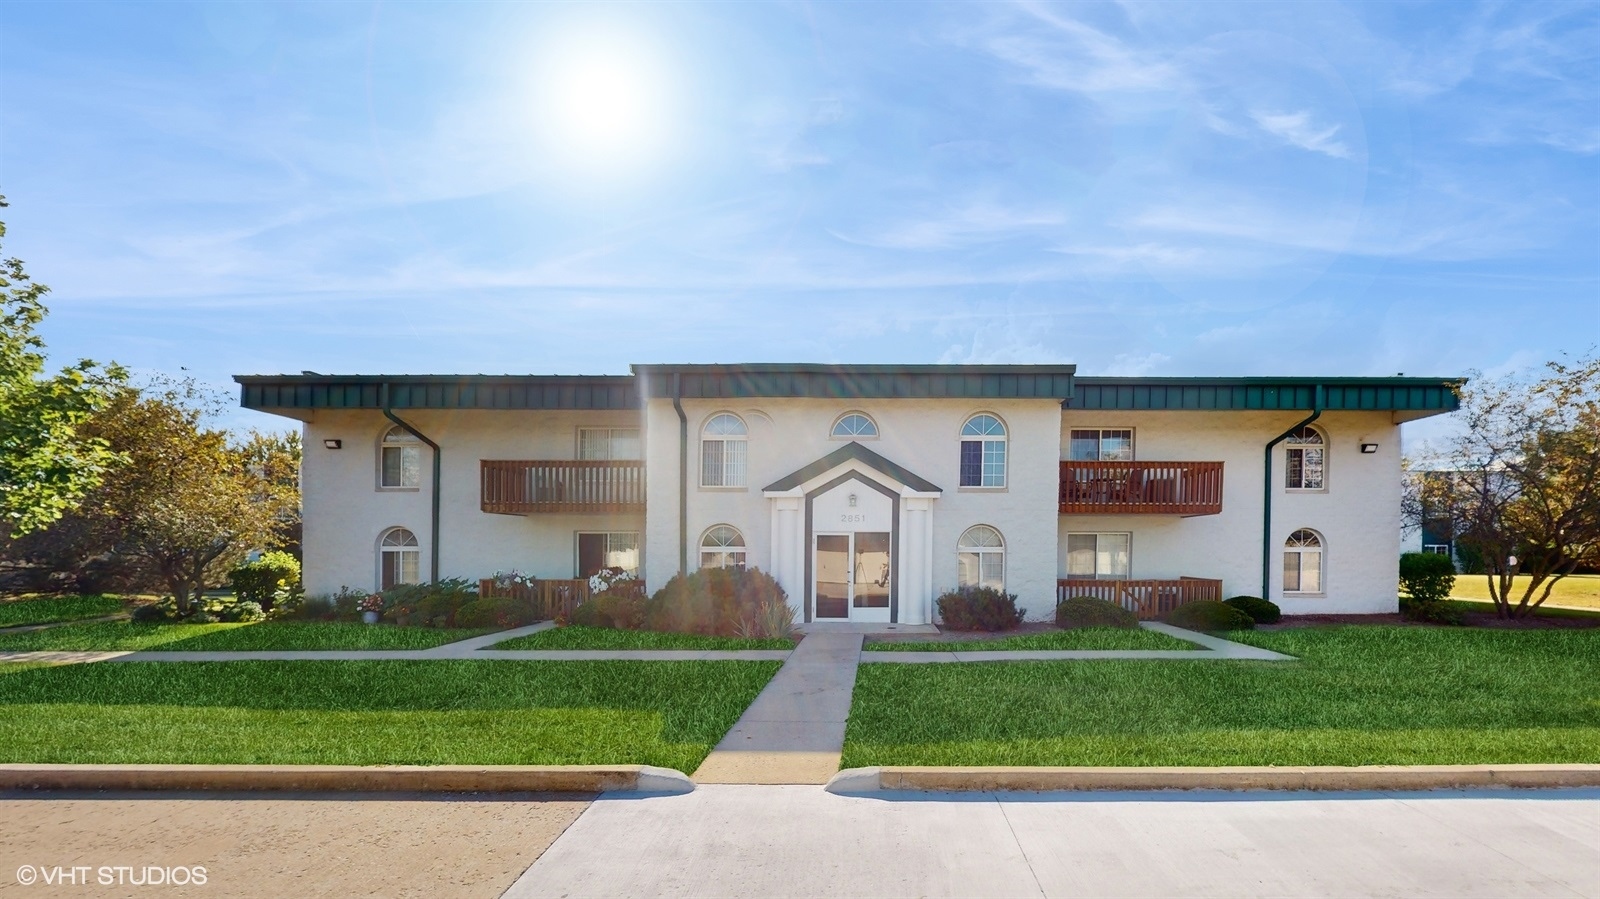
(400, 459)
(1302, 562)
(853, 426)
(722, 546)
(983, 451)
(981, 558)
(399, 558)
(1305, 459)
(724, 444)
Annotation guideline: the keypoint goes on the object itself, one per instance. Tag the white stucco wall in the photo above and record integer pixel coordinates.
(1357, 515)
(923, 435)
(345, 512)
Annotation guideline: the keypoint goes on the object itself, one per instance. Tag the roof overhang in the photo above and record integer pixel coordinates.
(297, 396)
(1408, 398)
(858, 381)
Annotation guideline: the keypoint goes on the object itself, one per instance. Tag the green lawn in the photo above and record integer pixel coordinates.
(376, 713)
(1358, 695)
(1079, 638)
(1580, 590)
(134, 635)
(575, 637)
(1486, 607)
(43, 609)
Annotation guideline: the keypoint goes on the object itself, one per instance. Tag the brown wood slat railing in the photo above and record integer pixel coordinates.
(520, 487)
(1141, 488)
(1148, 599)
(552, 599)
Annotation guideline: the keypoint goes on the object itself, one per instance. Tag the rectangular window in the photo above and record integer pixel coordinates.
(971, 463)
(1104, 556)
(608, 444)
(613, 550)
(983, 463)
(722, 463)
(1304, 468)
(402, 466)
(1100, 445)
(1302, 572)
(400, 567)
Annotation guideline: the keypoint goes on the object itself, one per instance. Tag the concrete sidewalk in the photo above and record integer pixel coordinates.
(800, 841)
(794, 731)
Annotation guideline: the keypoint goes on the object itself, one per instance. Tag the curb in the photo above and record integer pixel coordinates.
(352, 778)
(857, 781)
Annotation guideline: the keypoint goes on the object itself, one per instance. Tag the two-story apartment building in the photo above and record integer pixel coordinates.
(866, 489)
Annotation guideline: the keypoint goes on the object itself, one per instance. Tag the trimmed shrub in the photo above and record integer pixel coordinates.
(1263, 611)
(242, 611)
(978, 609)
(1209, 616)
(1427, 577)
(151, 613)
(622, 611)
(266, 581)
(495, 611)
(430, 605)
(720, 601)
(1087, 611)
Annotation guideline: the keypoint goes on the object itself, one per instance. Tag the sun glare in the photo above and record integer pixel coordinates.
(604, 101)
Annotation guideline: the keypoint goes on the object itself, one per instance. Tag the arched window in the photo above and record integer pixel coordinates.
(399, 560)
(1302, 563)
(722, 547)
(401, 459)
(723, 442)
(853, 426)
(981, 557)
(983, 452)
(1304, 468)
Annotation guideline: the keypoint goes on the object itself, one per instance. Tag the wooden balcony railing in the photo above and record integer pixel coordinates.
(1148, 599)
(522, 487)
(549, 599)
(1141, 488)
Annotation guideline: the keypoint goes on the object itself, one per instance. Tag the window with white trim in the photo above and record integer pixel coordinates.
(1305, 457)
(1098, 556)
(854, 426)
(983, 452)
(724, 443)
(1302, 562)
(1100, 445)
(399, 559)
(981, 558)
(722, 547)
(614, 550)
(400, 459)
(608, 443)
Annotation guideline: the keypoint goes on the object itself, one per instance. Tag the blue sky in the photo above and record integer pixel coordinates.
(1162, 189)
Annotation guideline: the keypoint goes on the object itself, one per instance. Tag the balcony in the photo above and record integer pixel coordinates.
(1149, 599)
(522, 487)
(1141, 488)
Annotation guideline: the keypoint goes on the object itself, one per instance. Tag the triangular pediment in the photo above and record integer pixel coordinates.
(844, 455)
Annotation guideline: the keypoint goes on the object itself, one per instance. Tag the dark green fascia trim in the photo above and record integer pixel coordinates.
(857, 452)
(585, 392)
(868, 381)
(1201, 394)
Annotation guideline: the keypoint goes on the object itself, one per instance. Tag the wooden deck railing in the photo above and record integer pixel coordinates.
(1141, 488)
(1147, 598)
(520, 487)
(550, 599)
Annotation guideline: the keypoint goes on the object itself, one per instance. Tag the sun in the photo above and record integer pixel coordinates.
(604, 99)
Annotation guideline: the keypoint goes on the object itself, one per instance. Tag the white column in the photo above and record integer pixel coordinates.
(788, 549)
(916, 568)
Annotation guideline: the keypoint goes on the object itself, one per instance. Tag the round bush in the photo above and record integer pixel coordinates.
(1086, 611)
(978, 609)
(151, 612)
(243, 611)
(1264, 611)
(1208, 616)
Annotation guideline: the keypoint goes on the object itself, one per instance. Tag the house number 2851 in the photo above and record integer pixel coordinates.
(852, 518)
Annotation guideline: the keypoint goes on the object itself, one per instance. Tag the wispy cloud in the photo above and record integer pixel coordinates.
(1060, 52)
(1297, 129)
(975, 223)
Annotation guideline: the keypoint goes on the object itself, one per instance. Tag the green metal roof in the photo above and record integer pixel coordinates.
(1428, 395)
(278, 393)
(846, 453)
(860, 381)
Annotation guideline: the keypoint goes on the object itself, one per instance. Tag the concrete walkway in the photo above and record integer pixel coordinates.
(794, 731)
(800, 841)
(1211, 648)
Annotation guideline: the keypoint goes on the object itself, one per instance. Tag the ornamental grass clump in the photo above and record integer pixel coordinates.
(1087, 611)
(978, 609)
(1210, 616)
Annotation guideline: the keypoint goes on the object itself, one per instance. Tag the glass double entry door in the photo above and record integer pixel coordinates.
(852, 574)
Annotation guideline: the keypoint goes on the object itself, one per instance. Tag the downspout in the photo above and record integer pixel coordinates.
(1266, 494)
(683, 474)
(433, 540)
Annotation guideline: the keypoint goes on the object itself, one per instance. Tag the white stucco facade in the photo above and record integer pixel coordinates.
(799, 481)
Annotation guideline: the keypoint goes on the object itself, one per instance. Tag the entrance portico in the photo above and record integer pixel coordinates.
(852, 539)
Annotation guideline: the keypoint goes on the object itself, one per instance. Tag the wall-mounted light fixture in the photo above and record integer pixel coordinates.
(852, 500)
(1369, 448)
(331, 443)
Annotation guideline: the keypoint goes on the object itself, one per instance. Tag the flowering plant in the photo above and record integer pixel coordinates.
(513, 578)
(373, 602)
(605, 579)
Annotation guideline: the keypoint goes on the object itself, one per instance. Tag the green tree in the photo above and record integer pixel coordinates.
(1519, 483)
(46, 464)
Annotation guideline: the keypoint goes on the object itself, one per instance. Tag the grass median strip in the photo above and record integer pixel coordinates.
(376, 713)
(1358, 695)
(265, 635)
(1089, 638)
(577, 637)
(46, 609)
